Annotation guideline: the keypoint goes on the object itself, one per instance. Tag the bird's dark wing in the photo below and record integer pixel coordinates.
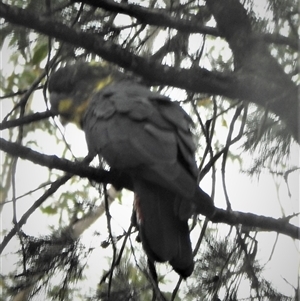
(136, 129)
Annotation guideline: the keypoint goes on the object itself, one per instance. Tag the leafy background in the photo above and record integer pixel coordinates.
(59, 241)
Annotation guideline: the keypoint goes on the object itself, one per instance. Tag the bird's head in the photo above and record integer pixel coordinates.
(72, 87)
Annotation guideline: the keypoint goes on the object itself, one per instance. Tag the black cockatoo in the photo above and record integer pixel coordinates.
(147, 136)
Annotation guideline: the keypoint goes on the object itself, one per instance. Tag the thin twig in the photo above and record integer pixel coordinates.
(25, 120)
(54, 186)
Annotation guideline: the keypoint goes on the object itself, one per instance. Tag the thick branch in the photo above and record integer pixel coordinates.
(273, 88)
(200, 80)
(252, 85)
(120, 180)
(76, 168)
(156, 17)
(159, 17)
(280, 40)
(265, 223)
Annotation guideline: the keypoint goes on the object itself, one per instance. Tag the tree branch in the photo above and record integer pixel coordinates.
(280, 225)
(280, 40)
(199, 80)
(159, 17)
(252, 57)
(25, 120)
(76, 168)
(156, 17)
(256, 85)
(54, 186)
(70, 234)
(120, 180)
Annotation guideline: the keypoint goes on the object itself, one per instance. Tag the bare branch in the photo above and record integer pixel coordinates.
(120, 180)
(55, 185)
(280, 225)
(280, 40)
(159, 17)
(75, 168)
(266, 85)
(25, 120)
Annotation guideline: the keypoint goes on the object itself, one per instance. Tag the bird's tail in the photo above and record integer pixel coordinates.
(165, 237)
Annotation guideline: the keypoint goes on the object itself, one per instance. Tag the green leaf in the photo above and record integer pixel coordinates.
(49, 210)
(39, 54)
